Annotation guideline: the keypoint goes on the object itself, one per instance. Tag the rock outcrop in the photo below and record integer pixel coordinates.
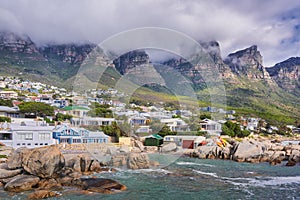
(45, 162)
(4, 173)
(130, 60)
(42, 194)
(100, 185)
(169, 147)
(247, 151)
(251, 151)
(22, 183)
(138, 161)
(249, 63)
(287, 74)
(46, 170)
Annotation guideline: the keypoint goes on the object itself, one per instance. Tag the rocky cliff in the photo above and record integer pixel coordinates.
(16, 43)
(67, 53)
(287, 74)
(130, 60)
(248, 63)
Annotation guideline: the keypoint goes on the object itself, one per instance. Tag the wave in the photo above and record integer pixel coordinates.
(206, 173)
(161, 171)
(273, 181)
(192, 163)
(257, 181)
(263, 181)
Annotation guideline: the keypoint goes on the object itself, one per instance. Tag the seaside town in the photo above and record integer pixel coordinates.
(34, 114)
(88, 134)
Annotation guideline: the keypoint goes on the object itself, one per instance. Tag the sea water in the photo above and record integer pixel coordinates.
(188, 178)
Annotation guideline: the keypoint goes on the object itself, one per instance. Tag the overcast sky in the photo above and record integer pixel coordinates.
(273, 25)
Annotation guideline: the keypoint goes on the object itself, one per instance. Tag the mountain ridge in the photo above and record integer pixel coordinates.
(248, 83)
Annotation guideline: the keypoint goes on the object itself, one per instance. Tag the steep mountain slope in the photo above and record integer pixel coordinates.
(287, 74)
(19, 56)
(250, 87)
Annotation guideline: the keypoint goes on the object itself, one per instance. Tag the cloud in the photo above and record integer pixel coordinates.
(235, 24)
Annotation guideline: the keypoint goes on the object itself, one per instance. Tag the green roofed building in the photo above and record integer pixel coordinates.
(153, 140)
(76, 111)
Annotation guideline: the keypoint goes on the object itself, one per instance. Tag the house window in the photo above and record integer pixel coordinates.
(36, 144)
(18, 144)
(28, 144)
(44, 136)
(25, 136)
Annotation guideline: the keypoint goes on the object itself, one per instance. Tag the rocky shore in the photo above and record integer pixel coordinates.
(46, 170)
(251, 150)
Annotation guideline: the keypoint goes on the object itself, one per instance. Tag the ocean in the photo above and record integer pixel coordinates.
(189, 178)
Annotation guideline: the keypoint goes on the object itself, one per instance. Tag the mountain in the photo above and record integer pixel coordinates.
(130, 60)
(270, 93)
(248, 63)
(20, 56)
(287, 74)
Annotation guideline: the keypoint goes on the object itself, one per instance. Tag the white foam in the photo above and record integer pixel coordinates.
(262, 181)
(273, 181)
(162, 171)
(192, 163)
(206, 173)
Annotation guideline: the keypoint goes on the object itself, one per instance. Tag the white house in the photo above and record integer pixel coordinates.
(24, 135)
(175, 124)
(210, 126)
(6, 111)
(8, 94)
(252, 124)
(95, 121)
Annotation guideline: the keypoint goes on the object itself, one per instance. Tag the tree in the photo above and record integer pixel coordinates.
(38, 108)
(4, 102)
(205, 116)
(61, 117)
(234, 130)
(5, 119)
(99, 110)
(227, 131)
(165, 130)
(115, 130)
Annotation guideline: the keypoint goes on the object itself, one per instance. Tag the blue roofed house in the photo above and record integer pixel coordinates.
(70, 135)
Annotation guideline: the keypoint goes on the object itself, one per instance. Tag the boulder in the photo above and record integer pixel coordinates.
(205, 152)
(169, 147)
(22, 183)
(139, 145)
(246, 151)
(112, 150)
(124, 149)
(295, 155)
(16, 158)
(45, 162)
(48, 184)
(290, 163)
(95, 167)
(73, 161)
(65, 181)
(42, 194)
(9, 173)
(85, 163)
(138, 161)
(100, 185)
(3, 166)
(118, 160)
(266, 156)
